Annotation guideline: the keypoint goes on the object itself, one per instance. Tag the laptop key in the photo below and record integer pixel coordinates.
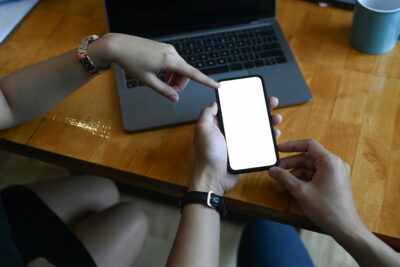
(128, 78)
(271, 46)
(224, 53)
(248, 65)
(256, 48)
(199, 65)
(198, 50)
(213, 55)
(266, 32)
(245, 50)
(281, 59)
(187, 51)
(271, 53)
(131, 84)
(221, 61)
(203, 56)
(270, 61)
(237, 66)
(242, 57)
(210, 63)
(232, 59)
(219, 46)
(192, 58)
(215, 70)
(232, 38)
(259, 63)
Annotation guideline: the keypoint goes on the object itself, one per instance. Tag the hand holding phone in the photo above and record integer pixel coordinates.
(246, 123)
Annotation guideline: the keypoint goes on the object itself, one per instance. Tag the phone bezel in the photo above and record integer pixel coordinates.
(221, 126)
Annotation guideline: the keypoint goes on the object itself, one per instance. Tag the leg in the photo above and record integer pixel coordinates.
(115, 236)
(74, 198)
(265, 243)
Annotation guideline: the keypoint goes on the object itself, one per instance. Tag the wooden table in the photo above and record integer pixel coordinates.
(355, 113)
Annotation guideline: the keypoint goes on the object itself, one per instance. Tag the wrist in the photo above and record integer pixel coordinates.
(101, 51)
(352, 235)
(204, 182)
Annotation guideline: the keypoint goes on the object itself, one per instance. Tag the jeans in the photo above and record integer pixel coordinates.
(265, 243)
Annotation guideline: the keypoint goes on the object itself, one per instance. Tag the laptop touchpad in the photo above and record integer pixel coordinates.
(196, 96)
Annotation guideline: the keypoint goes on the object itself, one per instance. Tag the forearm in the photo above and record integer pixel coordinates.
(34, 90)
(197, 240)
(368, 250)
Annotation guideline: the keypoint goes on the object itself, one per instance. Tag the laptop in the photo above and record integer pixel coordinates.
(222, 38)
(11, 14)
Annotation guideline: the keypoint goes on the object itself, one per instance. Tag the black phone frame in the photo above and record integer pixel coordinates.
(221, 126)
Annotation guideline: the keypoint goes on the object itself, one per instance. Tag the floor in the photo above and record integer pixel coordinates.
(164, 218)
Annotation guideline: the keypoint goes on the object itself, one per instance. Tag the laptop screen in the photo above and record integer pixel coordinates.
(154, 18)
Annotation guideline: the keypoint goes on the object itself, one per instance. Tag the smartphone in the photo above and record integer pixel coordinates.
(245, 121)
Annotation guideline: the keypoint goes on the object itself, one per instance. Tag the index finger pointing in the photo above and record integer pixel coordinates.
(194, 74)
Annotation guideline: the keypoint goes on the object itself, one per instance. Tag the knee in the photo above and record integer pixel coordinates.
(136, 220)
(103, 189)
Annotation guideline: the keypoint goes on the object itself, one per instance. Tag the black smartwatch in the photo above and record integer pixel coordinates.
(206, 198)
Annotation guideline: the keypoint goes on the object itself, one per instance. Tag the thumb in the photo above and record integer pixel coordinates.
(285, 178)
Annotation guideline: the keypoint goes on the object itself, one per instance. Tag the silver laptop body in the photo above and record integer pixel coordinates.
(144, 109)
(11, 14)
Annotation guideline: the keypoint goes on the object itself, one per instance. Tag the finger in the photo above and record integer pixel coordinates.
(273, 102)
(276, 119)
(290, 182)
(277, 133)
(161, 87)
(194, 74)
(280, 187)
(303, 174)
(297, 161)
(207, 115)
(179, 82)
(311, 146)
(168, 77)
(216, 121)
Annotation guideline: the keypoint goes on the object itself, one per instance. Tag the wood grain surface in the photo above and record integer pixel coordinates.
(355, 113)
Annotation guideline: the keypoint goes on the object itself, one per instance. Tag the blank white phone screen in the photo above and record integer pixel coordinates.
(246, 123)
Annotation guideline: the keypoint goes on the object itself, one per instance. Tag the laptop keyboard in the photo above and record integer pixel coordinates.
(229, 51)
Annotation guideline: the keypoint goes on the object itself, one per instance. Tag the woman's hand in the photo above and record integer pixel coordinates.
(211, 153)
(143, 59)
(320, 181)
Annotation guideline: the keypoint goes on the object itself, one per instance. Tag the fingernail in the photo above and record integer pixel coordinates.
(273, 171)
(174, 98)
(216, 84)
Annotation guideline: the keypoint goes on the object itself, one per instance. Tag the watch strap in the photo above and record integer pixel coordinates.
(206, 198)
(84, 58)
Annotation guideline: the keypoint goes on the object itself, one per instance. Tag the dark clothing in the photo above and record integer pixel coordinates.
(265, 243)
(38, 232)
(9, 255)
